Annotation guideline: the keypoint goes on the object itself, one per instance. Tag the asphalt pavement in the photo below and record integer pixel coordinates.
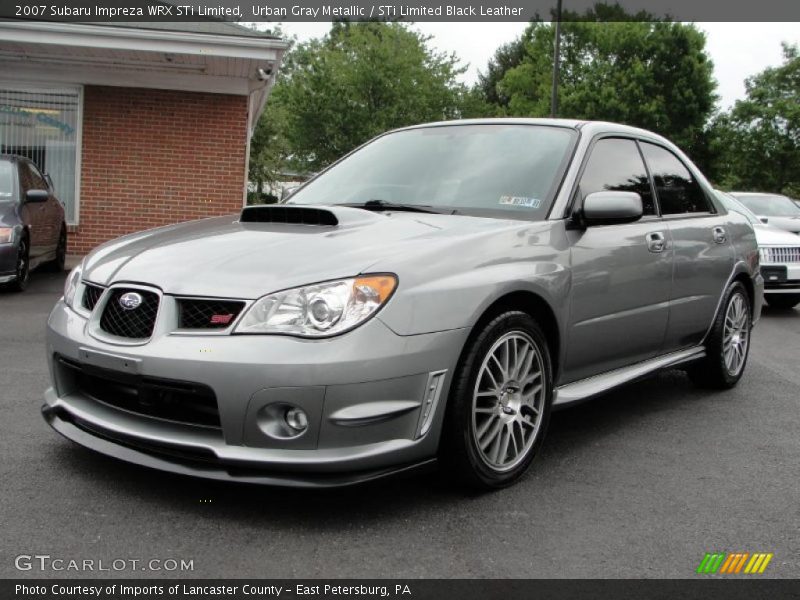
(639, 483)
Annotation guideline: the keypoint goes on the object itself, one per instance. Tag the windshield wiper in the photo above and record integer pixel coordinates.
(386, 205)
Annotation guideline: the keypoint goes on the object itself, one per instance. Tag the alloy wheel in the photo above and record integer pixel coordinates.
(736, 334)
(508, 401)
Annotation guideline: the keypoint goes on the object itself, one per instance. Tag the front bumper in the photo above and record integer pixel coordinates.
(8, 262)
(364, 393)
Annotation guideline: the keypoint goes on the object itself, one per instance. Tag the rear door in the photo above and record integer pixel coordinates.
(53, 209)
(702, 248)
(34, 214)
(621, 274)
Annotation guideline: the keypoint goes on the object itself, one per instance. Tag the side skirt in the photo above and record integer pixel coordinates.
(584, 389)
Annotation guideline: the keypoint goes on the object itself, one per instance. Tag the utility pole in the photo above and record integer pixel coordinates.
(556, 63)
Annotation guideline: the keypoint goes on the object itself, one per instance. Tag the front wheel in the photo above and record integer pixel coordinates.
(22, 277)
(728, 343)
(499, 405)
(782, 301)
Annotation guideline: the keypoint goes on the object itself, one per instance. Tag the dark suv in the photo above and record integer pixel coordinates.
(32, 226)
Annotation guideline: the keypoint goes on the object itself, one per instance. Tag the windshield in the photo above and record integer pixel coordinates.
(486, 170)
(6, 181)
(769, 205)
(732, 204)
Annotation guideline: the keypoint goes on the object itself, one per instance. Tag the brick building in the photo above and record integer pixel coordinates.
(138, 125)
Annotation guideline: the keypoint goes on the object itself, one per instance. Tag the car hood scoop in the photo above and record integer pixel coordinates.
(292, 215)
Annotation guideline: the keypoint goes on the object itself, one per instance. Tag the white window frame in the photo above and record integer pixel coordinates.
(18, 86)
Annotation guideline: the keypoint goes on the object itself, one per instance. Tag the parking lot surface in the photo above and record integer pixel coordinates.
(640, 483)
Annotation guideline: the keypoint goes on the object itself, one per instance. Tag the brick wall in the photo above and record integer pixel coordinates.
(154, 157)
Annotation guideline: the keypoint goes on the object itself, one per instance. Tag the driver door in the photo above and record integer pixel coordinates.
(621, 273)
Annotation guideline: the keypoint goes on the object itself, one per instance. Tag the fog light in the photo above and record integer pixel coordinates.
(296, 419)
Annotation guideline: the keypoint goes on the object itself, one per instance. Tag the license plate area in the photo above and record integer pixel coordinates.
(113, 362)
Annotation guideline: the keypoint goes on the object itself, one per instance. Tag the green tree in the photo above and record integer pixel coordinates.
(616, 67)
(356, 82)
(758, 140)
(506, 57)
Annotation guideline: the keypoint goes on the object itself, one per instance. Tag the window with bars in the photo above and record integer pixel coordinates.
(43, 125)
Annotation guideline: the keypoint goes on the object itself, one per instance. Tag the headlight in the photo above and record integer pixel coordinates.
(6, 235)
(319, 310)
(71, 285)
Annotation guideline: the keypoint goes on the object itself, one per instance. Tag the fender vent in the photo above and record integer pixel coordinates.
(294, 215)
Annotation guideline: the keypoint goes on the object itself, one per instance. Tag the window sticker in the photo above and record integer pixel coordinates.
(522, 201)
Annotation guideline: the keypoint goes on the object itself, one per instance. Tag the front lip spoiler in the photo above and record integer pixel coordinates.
(163, 459)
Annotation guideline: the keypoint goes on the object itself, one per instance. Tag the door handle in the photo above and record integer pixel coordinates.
(656, 241)
(718, 233)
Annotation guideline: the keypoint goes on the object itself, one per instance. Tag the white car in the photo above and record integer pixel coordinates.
(775, 209)
(779, 251)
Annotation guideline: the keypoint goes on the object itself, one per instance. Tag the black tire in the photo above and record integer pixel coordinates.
(713, 371)
(57, 264)
(20, 283)
(460, 455)
(782, 301)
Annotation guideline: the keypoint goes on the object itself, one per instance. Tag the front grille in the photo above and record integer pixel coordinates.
(165, 399)
(91, 294)
(135, 323)
(780, 255)
(198, 313)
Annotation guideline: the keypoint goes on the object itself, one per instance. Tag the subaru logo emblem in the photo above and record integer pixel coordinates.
(130, 300)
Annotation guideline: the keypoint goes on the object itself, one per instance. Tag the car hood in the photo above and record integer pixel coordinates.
(766, 235)
(791, 224)
(225, 257)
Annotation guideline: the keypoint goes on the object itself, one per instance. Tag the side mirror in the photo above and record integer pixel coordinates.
(288, 192)
(608, 208)
(37, 196)
(764, 220)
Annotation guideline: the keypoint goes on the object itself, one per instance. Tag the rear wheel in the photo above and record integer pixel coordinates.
(499, 406)
(782, 301)
(728, 344)
(20, 282)
(57, 264)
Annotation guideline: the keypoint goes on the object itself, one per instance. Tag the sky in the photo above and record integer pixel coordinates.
(738, 50)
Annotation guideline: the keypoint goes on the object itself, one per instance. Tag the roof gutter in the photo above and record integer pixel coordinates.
(145, 40)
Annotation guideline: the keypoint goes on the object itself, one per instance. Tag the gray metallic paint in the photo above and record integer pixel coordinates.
(620, 311)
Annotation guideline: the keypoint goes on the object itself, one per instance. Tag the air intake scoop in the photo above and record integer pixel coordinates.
(293, 215)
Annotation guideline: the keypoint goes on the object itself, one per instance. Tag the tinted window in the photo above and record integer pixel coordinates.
(37, 180)
(6, 181)
(507, 170)
(616, 165)
(678, 191)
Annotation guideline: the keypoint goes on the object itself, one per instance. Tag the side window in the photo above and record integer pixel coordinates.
(37, 179)
(25, 177)
(616, 165)
(678, 191)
